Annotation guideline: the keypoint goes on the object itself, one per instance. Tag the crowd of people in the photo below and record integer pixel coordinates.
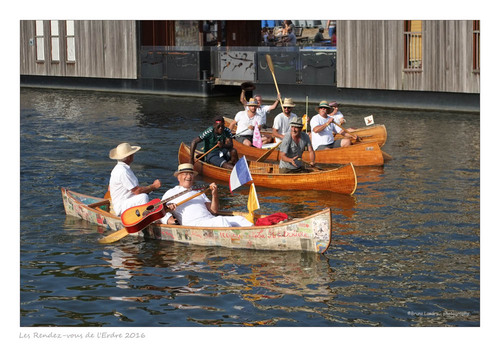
(218, 149)
(283, 34)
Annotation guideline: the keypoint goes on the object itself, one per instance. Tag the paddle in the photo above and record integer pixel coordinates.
(264, 156)
(118, 235)
(204, 154)
(271, 67)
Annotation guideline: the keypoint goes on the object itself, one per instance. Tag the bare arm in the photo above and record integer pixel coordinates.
(148, 189)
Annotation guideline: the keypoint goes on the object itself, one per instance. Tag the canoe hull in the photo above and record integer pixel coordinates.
(342, 180)
(375, 133)
(360, 154)
(308, 234)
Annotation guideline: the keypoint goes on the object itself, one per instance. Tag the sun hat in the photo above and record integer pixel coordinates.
(334, 104)
(252, 102)
(122, 151)
(296, 122)
(288, 102)
(185, 168)
(324, 104)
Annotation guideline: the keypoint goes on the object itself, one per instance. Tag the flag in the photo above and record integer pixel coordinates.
(253, 203)
(369, 120)
(304, 122)
(240, 174)
(257, 139)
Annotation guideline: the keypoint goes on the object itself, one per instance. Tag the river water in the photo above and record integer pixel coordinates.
(405, 248)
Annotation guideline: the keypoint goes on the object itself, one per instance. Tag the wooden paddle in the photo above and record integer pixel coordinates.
(204, 154)
(264, 156)
(120, 234)
(271, 67)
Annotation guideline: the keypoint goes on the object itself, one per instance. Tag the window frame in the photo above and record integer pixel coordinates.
(413, 57)
(476, 47)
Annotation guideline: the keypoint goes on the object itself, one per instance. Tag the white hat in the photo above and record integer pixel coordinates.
(122, 151)
(185, 168)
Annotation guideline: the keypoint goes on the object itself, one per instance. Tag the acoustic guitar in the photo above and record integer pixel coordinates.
(136, 218)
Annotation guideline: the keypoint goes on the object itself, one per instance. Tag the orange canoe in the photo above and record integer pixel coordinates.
(342, 180)
(360, 154)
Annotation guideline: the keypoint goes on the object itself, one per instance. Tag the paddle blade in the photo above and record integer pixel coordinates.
(386, 156)
(266, 155)
(117, 235)
(270, 63)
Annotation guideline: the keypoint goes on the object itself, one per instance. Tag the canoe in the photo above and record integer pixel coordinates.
(360, 154)
(340, 180)
(308, 234)
(374, 133)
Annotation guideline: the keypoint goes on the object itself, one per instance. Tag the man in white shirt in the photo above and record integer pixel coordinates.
(338, 117)
(245, 122)
(262, 111)
(323, 130)
(199, 211)
(281, 125)
(123, 184)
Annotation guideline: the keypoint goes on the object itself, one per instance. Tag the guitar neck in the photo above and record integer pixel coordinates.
(170, 198)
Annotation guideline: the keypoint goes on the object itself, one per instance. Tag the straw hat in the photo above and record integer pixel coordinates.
(122, 151)
(185, 168)
(296, 122)
(325, 104)
(288, 102)
(252, 102)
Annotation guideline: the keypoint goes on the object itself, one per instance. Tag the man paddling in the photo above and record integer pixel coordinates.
(323, 130)
(123, 184)
(199, 211)
(293, 146)
(224, 155)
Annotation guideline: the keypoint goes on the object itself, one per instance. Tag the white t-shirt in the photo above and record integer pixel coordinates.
(337, 118)
(243, 122)
(262, 112)
(282, 123)
(192, 212)
(324, 137)
(121, 183)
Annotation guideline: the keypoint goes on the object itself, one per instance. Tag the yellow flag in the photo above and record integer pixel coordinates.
(253, 203)
(304, 122)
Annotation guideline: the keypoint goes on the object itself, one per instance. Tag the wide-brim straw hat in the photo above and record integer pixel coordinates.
(325, 104)
(288, 102)
(185, 168)
(296, 122)
(122, 151)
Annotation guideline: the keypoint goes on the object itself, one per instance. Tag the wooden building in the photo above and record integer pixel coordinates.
(429, 55)
(396, 63)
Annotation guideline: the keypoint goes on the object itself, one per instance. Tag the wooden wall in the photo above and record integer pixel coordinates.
(370, 54)
(104, 49)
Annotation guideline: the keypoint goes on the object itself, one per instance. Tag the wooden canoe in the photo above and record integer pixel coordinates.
(360, 154)
(374, 133)
(308, 234)
(342, 180)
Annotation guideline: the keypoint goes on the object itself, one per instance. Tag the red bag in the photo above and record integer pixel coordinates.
(274, 218)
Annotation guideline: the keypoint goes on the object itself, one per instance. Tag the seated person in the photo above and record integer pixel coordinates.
(292, 147)
(217, 135)
(323, 130)
(245, 122)
(123, 184)
(199, 211)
